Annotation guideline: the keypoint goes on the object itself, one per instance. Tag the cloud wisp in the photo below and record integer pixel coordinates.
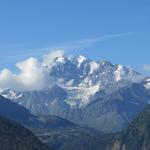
(103, 38)
(88, 42)
(66, 47)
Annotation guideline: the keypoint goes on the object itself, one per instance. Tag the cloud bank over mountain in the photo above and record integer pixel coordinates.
(36, 75)
(33, 75)
(49, 59)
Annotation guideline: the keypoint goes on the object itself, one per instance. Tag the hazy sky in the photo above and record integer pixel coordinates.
(114, 30)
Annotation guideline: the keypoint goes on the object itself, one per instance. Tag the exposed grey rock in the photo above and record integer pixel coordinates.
(96, 94)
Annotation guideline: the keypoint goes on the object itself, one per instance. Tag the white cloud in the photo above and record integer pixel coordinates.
(146, 67)
(32, 74)
(147, 86)
(49, 59)
(130, 75)
(102, 38)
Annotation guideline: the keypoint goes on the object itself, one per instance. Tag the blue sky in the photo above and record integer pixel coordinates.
(118, 31)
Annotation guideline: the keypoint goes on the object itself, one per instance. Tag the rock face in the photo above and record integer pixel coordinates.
(21, 115)
(96, 94)
(116, 111)
(137, 135)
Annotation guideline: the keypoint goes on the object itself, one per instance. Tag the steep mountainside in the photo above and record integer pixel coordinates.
(96, 94)
(115, 111)
(137, 135)
(15, 137)
(54, 131)
(17, 113)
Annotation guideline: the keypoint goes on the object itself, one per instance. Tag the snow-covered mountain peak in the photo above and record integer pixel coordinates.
(80, 59)
(82, 77)
(85, 91)
(80, 70)
(105, 63)
(11, 94)
(60, 59)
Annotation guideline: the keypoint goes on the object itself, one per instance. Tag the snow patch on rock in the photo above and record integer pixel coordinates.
(119, 73)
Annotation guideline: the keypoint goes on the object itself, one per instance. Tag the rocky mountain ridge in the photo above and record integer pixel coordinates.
(90, 93)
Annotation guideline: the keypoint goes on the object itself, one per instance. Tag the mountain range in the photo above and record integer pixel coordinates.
(95, 94)
(64, 135)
